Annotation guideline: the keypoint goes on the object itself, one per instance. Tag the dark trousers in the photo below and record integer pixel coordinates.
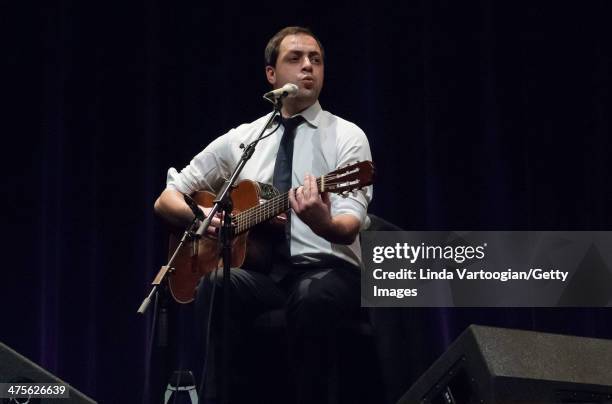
(316, 301)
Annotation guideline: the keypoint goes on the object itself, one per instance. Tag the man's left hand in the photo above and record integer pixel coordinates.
(311, 207)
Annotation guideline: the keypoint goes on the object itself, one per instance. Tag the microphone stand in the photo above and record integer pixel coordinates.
(222, 202)
(166, 269)
(159, 326)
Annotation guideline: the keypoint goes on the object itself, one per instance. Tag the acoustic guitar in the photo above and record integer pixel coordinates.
(202, 256)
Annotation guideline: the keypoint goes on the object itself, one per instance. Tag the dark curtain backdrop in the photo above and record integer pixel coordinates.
(481, 115)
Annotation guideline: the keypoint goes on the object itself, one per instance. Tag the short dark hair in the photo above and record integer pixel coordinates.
(271, 53)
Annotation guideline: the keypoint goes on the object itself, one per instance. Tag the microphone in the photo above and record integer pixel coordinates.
(288, 89)
(194, 207)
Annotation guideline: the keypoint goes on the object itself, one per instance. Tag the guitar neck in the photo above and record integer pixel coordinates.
(266, 211)
(258, 214)
(342, 180)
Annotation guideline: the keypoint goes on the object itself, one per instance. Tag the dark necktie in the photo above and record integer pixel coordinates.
(284, 157)
(283, 169)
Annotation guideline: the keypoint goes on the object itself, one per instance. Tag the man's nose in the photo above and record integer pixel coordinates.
(306, 65)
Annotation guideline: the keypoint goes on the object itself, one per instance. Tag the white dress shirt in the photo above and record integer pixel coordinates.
(323, 143)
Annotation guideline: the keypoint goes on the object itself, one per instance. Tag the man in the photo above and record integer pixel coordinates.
(316, 274)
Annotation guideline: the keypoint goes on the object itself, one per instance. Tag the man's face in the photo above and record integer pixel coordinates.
(299, 62)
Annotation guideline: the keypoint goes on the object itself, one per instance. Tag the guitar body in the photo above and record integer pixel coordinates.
(200, 257)
(256, 236)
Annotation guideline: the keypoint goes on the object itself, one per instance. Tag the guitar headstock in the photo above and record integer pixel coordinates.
(346, 179)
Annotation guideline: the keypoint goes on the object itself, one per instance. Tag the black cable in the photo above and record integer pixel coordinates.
(204, 375)
(263, 137)
(147, 393)
(180, 369)
(204, 372)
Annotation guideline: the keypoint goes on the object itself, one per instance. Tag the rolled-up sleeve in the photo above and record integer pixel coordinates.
(205, 171)
(353, 148)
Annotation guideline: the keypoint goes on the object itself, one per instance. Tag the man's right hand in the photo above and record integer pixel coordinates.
(172, 207)
(215, 223)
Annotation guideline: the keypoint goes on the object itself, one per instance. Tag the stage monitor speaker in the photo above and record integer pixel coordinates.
(16, 368)
(488, 365)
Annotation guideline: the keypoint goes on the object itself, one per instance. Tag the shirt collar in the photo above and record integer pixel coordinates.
(312, 114)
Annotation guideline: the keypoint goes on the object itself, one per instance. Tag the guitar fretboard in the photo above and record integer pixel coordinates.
(259, 214)
(338, 181)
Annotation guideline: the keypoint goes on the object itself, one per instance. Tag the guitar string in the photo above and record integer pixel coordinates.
(259, 213)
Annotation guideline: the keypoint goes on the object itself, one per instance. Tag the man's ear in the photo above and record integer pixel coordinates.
(271, 75)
